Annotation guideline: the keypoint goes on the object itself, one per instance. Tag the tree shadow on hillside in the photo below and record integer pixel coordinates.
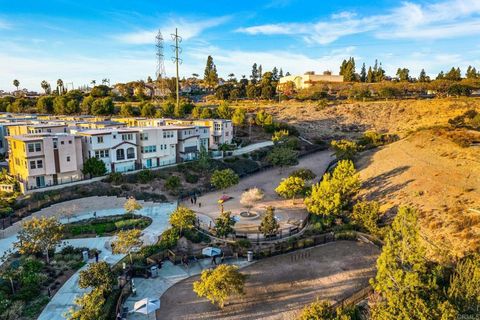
(380, 186)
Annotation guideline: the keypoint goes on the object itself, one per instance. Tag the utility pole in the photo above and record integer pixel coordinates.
(177, 61)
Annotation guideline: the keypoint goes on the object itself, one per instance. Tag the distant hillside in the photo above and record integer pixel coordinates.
(351, 119)
(431, 172)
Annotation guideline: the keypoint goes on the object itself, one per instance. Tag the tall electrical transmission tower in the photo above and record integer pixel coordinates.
(176, 48)
(160, 72)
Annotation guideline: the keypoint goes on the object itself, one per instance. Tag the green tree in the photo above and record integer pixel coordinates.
(254, 77)
(147, 110)
(330, 195)
(252, 91)
(206, 113)
(89, 306)
(406, 286)
(280, 136)
(224, 111)
(126, 110)
(347, 70)
(16, 83)
(219, 284)
(238, 117)
(210, 75)
(45, 86)
(103, 106)
(464, 289)
(291, 187)
(305, 174)
(72, 107)
(222, 179)
(59, 105)
(269, 225)
(39, 235)
(126, 241)
(97, 275)
(282, 156)
(196, 112)
(86, 105)
(403, 74)
(224, 224)
(454, 74)
(203, 159)
(423, 76)
(45, 104)
(472, 73)
(183, 219)
(344, 149)
(363, 73)
(318, 310)
(60, 88)
(94, 167)
(366, 214)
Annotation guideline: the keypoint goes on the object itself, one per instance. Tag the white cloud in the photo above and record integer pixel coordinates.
(446, 19)
(187, 29)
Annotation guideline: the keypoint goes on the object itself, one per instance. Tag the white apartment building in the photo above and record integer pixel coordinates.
(220, 130)
(190, 141)
(117, 148)
(157, 146)
(40, 160)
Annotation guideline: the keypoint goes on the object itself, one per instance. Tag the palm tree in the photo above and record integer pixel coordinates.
(16, 83)
(60, 86)
(93, 82)
(104, 81)
(45, 85)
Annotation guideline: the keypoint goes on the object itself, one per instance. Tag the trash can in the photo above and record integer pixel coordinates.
(154, 271)
(249, 256)
(85, 256)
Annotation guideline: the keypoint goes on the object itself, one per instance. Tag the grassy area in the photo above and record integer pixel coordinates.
(105, 225)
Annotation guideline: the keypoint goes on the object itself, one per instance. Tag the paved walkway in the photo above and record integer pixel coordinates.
(169, 275)
(289, 213)
(63, 299)
(252, 147)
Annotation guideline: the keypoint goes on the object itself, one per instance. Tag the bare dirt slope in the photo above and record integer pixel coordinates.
(279, 287)
(428, 171)
(352, 119)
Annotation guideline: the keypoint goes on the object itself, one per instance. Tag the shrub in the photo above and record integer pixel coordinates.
(115, 177)
(305, 174)
(191, 178)
(145, 176)
(222, 179)
(172, 183)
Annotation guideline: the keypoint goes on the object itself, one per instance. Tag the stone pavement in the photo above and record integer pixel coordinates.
(252, 147)
(288, 213)
(169, 275)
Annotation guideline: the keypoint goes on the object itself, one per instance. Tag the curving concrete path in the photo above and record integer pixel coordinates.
(81, 209)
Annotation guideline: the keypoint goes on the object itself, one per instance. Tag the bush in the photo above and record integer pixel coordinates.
(145, 176)
(305, 174)
(172, 183)
(191, 178)
(242, 166)
(244, 243)
(115, 177)
(169, 238)
(222, 179)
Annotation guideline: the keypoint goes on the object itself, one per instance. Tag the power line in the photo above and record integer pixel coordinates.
(176, 48)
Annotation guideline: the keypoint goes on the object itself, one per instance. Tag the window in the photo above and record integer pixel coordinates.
(127, 136)
(33, 165)
(31, 147)
(120, 154)
(99, 139)
(55, 144)
(49, 130)
(130, 153)
(62, 142)
(38, 147)
(149, 149)
(101, 154)
(39, 164)
(144, 136)
(69, 141)
(114, 136)
(68, 159)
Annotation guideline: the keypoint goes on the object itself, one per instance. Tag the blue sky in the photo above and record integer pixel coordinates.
(79, 41)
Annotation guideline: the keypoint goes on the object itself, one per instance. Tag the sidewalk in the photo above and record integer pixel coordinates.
(169, 275)
(252, 147)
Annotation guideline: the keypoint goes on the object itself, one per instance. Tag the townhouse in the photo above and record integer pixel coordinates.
(220, 130)
(45, 159)
(117, 148)
(191, 139)
(157, 146)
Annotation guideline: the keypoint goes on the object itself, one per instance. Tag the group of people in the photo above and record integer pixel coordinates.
(193, 200)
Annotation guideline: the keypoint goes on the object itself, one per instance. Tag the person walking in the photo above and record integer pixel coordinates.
(199, 204)
(96, 256)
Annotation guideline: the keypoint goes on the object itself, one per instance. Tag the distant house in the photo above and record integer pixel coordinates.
(309, 79)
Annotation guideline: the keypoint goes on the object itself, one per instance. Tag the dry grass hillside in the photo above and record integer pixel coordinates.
(431, 172)
(352, 119)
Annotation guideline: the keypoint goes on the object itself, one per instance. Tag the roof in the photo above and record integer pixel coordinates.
(39, 136)
(96, 132)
